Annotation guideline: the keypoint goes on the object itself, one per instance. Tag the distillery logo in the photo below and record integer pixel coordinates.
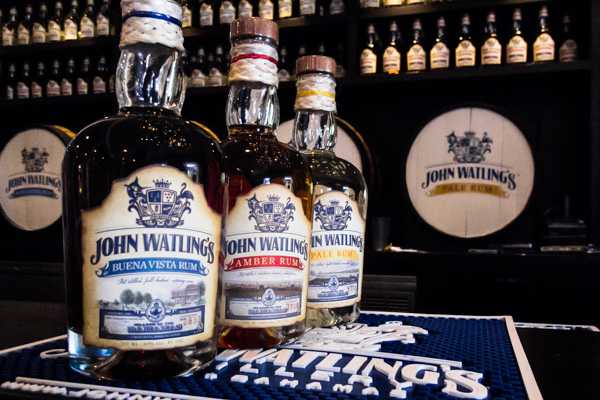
(469, 148)
(34, 159)
(33, 182)
(271, 215)
(159, 206)
(333, 217)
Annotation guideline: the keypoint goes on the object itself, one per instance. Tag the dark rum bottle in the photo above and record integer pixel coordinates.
(71, 22)
(334, 286)
(40, 26)
(87, 25)
(68, 81)
(516, 48)
(83, 79)
(55, 25)
(9, 29)
(416, 57)
(370, 53)
(392, 56)
(143, 194)
(11, 82)
(53, 84)
(543, 47)
(284, 70)
(38, 83)
(25, 27)
(100, 79)
(464, 54)
(263, 282)
(104, 23)
(439, 56)
(567, 52)
(491, 50)
(24, 83)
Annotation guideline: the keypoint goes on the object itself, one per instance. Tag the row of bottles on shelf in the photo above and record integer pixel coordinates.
(44, 28)
(60, 78)
(386, 3)
(204, 13)
(516, 49)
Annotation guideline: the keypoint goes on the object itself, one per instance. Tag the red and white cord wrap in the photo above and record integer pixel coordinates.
(254, 62)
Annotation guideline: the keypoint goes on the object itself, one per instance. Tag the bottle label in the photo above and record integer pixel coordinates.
(245, 9)
(416, 58)
(198, 79)
(23, 35)
(368, 62)
(265, 9)
(336, 7)
(186, 20)
(215, 77)
(491, 52)
(285, 8)
(82, 86)
(337, 252)
(53, 31)
(87, 27)
(66, 87)
(391, 60)
(8, 38)
(102, 26)
(52, 88)
(10, 93)
(465, 54)
(206, 15)
(98, 85)
(150, 263)
(284, 75)
(371, 3)
(543, 48)
(440, 56)
(392, 2)
(265, 273)
(36, 90)
(22, 91)
(70, 30)
(568, 51)
(227, 12)
(39, 33)
(307, 7)
(516, 50)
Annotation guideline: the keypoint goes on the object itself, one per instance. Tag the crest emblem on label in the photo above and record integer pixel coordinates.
(34, 159)
(333, 217)
(156, 311)
(469, 148)
(271, 215)
(269, 298)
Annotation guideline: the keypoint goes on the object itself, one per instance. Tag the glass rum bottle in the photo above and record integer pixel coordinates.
(543, 47)
(263, 283)
(339, 203)
(491, 50)
(516, 49)
(143, 194)
(416, 57)
(464, 54)
(439, 55)
(567, 52)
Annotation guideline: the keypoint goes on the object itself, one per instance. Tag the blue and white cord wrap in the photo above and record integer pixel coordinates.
(152, 21)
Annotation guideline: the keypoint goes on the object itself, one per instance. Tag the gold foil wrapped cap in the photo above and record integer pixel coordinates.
(315, 64)
(254, 26)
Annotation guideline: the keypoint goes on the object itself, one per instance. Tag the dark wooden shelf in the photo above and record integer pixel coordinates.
(68, 45)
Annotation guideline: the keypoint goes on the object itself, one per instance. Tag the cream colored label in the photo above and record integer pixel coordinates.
(392, 2)
(391, 60)
(265, 9)
(102, 25)
(198, 79)
(206, 15)
(416, 58)
(543, 48)
(98, 85)
(186, 20)
(307, 7)
(568, 51)
(440, 56)
(8, 38)
(516, 50)
(39, 33)
(285, 8)
(70, 30)
(54, 31)
(52, 88)
(491, 52)
(337, 252)
(82, 86)
(22, 91)
(36, 90)
(265, 274)
(226, 12)
(66, 88)
(368, 62)
(465, 54)
(23, 35)
(150, 263)
(87, 28)
(245, 9)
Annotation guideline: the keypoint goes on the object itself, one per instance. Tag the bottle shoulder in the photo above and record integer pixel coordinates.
(327, 168)
(261, 150)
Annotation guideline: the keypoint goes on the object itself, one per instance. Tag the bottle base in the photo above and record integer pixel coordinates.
(121, 365)
(327, 317)
(256, 338)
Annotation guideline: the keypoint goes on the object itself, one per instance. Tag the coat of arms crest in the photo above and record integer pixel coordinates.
(333, 217)
(469, 148)
(271, 215)
(35, 159)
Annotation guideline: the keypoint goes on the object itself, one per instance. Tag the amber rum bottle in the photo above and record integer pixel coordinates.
(416, 57)
(263, 282)
(143, 194)
(340, 200)
(491, 50)
(464, 54)
(544, 46)
(516, 49)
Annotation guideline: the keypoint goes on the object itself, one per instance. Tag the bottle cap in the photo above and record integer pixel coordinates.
(393, 26)
(254, 26)
(417, 24)
(466, 20)
(315, 64)
(543, 11)
(491, 17)
(517, 14)
(441, 22)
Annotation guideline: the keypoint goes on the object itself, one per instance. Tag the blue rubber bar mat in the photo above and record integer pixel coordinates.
(382, 356)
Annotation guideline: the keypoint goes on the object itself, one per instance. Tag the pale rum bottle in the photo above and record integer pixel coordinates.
(491, 50)
(544, 46)
(263, 283)
(143, 195)
(516, 49)
(439, 56)
(340, 200)
(464, 54)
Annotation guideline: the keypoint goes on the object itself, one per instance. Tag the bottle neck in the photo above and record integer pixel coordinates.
(150, 76)
(517, 26)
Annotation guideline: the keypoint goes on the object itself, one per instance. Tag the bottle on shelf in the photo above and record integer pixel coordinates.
(9, 29)
(206, 13)
(24, 83)
(284, 71)
(39, 81)
(68, 81)
(245, 9)
(388, 3)
(54, 80)
(301, 53)
(99, 81)
(25, 27)
(217, 75)
(408, 2)
(55, 24)
(198, 74)
(87, 25)
(567, 52)
(308, 7)
(392, 58)
(340, 60)
(146, 153)
(266, 9)
(337, 7)
(516, 48)
(40, 25)
(321, 50)
(333, 297)
(265, 175)
(416, 57)
(226, 12)
(11, 82)
(370, 53)
(186, 19)
(71, 22)
(370, 3)
(104, 20)
(543, 47)
(284, 8)
(83, 80)
(491, 50)
(439, 55)
(465, 53)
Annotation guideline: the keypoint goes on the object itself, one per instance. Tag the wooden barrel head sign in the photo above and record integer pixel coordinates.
(470, 172)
